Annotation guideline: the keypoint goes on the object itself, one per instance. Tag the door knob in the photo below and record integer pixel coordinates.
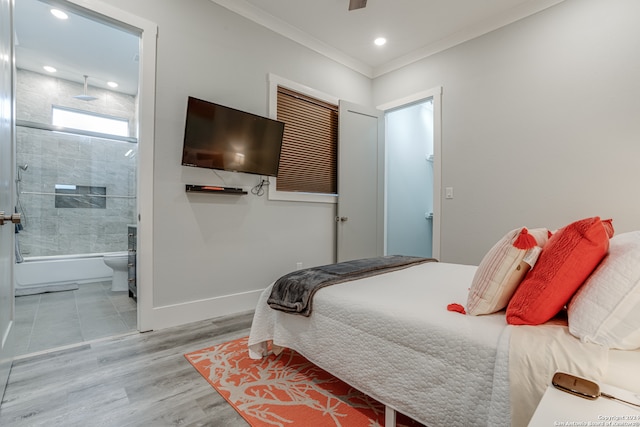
(342, 218)
(13, 218)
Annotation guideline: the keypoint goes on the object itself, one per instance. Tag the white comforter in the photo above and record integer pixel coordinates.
(392, 337)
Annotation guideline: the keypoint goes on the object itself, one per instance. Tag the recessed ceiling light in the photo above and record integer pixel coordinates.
(380, 41)
(49, 68)
(112, 84)
(59, 14)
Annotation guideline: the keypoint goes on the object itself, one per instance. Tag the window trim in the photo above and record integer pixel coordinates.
(42, 126)
(293, 196)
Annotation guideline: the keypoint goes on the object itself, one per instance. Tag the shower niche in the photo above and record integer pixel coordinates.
(80, 196)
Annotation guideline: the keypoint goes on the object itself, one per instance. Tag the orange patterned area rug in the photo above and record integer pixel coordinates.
(285, 390)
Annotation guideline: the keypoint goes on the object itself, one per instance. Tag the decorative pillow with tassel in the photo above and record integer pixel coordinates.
(565, 263)
(503, 268)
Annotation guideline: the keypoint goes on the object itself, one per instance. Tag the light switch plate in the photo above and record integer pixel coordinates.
(448, 193)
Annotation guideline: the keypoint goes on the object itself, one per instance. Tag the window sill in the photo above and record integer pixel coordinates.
(293, 196)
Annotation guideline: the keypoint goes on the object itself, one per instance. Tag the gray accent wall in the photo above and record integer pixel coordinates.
(58, 158)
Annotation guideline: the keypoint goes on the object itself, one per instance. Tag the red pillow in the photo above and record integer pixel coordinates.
(569, 257)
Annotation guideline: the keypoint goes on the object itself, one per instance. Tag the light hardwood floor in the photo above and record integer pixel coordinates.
(132, 380)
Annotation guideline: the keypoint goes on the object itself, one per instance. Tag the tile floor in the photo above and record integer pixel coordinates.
(50, 320)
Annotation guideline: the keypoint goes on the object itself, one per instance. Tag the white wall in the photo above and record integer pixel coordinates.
(540, 123)
(213, 251)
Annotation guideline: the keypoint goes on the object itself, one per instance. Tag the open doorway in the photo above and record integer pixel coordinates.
(77, 175)
(410, 177)
(413, 168)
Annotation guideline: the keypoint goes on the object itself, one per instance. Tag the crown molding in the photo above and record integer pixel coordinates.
(259, 16)
(510, 16)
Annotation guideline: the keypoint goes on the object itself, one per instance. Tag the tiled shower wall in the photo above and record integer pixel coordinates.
(56, 158)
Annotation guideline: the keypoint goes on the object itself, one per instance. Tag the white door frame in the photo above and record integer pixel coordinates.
(146, 128)
(7, 189)
(436, 95)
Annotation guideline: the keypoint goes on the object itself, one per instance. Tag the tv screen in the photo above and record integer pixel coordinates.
(219, 137)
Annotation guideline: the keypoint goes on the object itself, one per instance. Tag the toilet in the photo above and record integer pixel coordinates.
(118, 262)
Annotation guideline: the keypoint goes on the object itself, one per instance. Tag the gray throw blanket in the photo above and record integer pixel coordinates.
(293, 292)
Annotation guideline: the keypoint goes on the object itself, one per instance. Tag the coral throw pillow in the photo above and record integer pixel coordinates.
(569, 257)
(503, 268)
(606, 310)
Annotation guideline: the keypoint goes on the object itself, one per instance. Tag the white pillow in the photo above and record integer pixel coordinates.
(503, 268)
(606, 309)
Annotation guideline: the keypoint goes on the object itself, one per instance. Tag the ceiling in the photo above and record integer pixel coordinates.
(76, 46)
(414, 29)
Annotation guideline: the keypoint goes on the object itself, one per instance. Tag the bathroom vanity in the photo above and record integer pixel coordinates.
(131, 263)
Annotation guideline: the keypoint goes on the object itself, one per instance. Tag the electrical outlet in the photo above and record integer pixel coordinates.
(298, 265)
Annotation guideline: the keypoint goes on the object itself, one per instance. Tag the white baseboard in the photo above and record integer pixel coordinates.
(195, 311)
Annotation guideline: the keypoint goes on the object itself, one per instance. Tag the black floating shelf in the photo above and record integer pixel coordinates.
(214, 189)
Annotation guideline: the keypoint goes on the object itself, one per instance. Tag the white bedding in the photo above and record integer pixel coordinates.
(537, 352)
(371, 333)
(392, 337)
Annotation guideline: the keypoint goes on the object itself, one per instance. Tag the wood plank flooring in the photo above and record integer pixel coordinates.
(133, 380)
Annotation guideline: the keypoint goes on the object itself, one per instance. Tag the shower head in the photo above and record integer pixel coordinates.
(84, 96)
(21, 168)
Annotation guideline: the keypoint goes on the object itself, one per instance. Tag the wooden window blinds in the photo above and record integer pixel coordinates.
(308, 160)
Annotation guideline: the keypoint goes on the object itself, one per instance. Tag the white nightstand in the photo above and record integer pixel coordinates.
(558, 408)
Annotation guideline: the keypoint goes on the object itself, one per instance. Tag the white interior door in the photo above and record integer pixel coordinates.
(360, 213)
(6, 187)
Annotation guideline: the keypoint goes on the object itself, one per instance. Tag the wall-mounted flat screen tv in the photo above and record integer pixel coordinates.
(219, 137)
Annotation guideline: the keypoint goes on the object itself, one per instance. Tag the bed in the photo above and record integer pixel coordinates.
(392, 337)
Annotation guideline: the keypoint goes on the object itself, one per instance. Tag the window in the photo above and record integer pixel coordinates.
(308, 162)
(88, 121)
(275, 82)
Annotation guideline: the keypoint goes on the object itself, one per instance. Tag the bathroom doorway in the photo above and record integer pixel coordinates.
(410, 178)
(413, 165)
(76, 174)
